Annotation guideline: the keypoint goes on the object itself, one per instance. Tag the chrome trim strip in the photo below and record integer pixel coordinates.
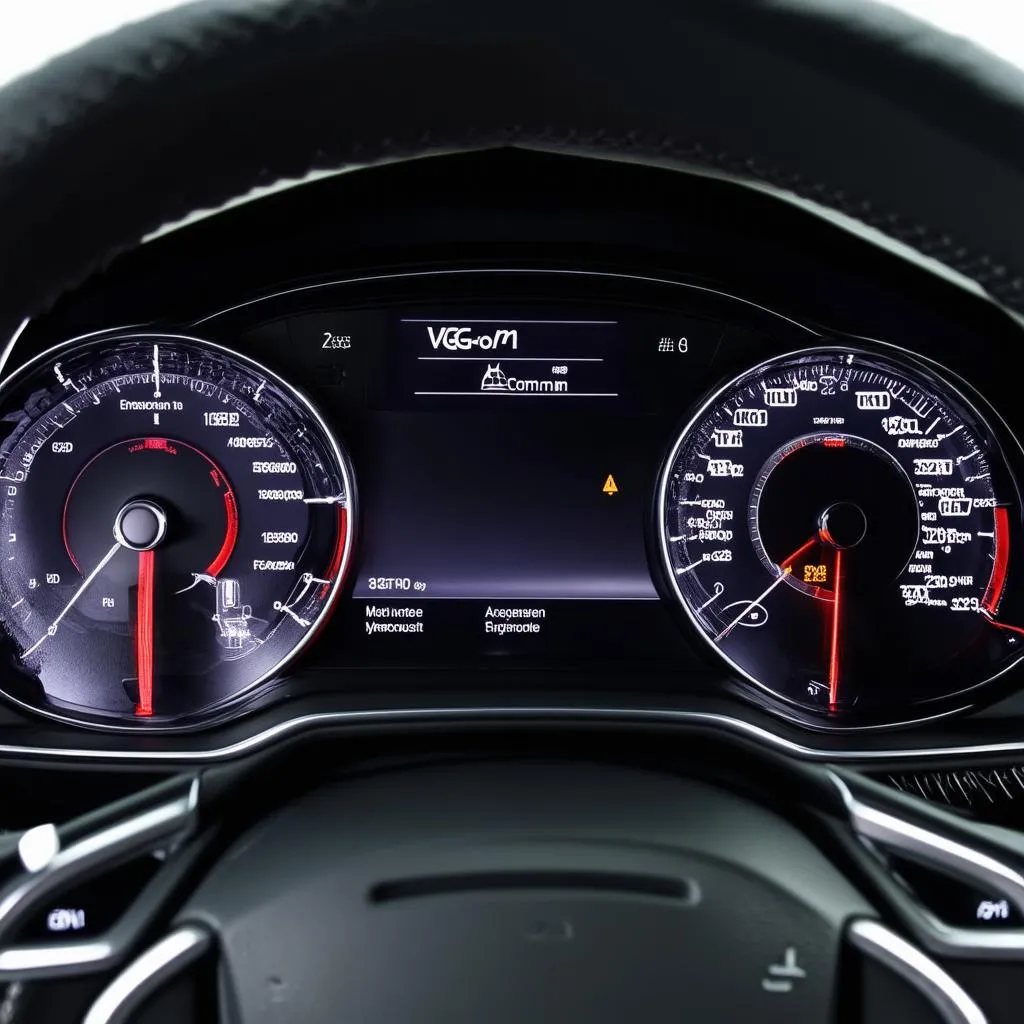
(326, 719)
(47, 960)
(141, 978)
(949, 1000)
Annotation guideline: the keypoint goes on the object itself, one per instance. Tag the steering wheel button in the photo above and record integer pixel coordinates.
(89, 909)
(956, 903)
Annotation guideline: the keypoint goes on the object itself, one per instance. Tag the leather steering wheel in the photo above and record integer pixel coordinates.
(852, 105)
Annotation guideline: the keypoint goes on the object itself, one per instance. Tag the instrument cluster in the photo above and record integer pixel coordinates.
(572, 476)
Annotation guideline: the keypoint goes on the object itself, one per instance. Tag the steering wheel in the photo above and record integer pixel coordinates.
(744, 886)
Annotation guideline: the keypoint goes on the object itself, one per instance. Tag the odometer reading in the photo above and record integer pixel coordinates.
(177, 521)
(838, 525)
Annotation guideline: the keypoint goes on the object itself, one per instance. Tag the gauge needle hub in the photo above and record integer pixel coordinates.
(144, 634)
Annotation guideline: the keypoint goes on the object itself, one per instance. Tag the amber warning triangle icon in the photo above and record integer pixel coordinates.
(610, 486)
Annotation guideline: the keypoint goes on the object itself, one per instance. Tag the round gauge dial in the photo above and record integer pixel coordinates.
(177, 521)
(838, 527)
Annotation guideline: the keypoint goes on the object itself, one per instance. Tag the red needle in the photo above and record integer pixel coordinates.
(144, 635)
(833, 665)
(799, 551)
(1003, 625)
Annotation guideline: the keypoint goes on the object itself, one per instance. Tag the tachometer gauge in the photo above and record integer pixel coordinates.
(176, 524)
(838, 526)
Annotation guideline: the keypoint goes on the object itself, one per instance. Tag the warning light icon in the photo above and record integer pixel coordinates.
(610, 486)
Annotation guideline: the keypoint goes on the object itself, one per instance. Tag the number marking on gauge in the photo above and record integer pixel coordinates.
(156, 371)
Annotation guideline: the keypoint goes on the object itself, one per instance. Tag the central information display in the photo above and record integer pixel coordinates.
(511, 358)
(508, 481)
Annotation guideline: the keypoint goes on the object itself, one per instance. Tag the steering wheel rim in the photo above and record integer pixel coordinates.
(198, 105)
(309, 899)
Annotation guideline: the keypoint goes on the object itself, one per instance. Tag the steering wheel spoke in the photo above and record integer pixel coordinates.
(52, 863)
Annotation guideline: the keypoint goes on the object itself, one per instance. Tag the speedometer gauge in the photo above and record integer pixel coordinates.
(176, 523)
(838, 526)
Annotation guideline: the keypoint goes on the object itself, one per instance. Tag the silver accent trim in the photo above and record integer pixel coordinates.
(158, 514)
(933, 850)
(949, 1000)
(143, 976)
(326, 719)
(42, 960)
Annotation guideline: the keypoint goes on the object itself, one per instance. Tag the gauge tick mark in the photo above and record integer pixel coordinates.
(336, 499)
(156, 371)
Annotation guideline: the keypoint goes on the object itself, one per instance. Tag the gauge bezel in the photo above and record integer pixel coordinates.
(938, 377)
(229, 708)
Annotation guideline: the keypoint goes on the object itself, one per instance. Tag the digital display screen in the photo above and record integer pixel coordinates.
(507, 474)
(506, 461)
(510, 359)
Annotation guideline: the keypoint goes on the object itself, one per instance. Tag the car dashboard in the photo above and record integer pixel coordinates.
(620, 447)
